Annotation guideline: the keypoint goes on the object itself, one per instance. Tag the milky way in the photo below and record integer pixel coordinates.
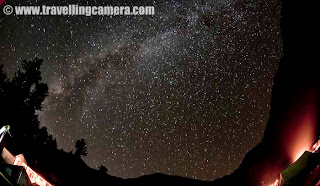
(184, 92)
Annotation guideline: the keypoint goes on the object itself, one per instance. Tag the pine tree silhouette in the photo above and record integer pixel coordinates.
(81, 148)
(103, 169)
(21, 96)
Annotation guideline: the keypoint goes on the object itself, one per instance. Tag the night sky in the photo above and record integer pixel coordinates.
(184, 92)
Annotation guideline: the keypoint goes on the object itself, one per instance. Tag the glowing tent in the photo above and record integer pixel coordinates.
(305, 171)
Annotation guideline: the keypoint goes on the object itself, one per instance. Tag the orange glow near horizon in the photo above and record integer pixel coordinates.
(294, 131)
(301, 133)
(304, 138)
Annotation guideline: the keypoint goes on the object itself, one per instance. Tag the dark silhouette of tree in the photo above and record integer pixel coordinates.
(103, 169)
(21, 97)
(3, 82)
(81, 148)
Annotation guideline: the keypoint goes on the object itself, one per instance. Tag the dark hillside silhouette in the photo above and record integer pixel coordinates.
(295, 101)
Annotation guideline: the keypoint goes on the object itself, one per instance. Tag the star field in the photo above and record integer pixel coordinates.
(184, 92)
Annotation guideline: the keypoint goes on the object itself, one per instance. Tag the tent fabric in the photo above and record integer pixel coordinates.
(305, 171)
(295, 168)
(13, 175)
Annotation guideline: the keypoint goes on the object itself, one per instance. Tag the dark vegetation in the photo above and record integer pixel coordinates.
(21, 97)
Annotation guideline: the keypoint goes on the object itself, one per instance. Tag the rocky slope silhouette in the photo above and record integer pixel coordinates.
(293, 125)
